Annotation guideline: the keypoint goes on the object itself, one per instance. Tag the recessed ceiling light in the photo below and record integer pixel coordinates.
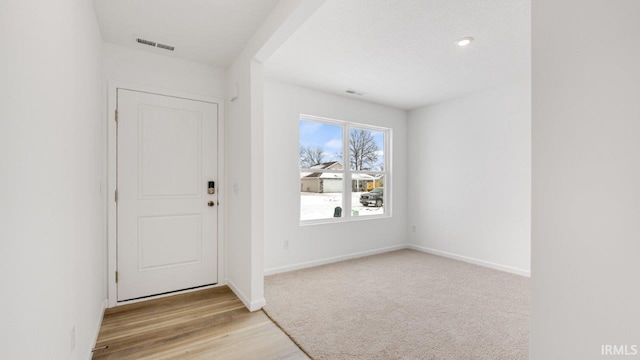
(464, 41)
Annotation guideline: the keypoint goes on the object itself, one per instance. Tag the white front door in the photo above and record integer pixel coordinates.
(167, 220)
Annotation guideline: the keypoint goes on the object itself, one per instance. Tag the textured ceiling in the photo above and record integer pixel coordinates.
(208, 31)
(402, 53)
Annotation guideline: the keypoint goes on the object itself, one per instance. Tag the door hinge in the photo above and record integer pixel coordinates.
(116, 196)
(116, 276)
(116, 115)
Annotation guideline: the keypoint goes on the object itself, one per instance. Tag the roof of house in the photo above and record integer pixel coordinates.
(321, 175)
(328, 165)
(333, 165)
(330, 175)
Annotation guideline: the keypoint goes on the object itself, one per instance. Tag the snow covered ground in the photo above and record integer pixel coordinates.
(321, 206)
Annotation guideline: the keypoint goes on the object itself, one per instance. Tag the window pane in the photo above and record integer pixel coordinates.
(367, 197)
(325, 170)
(319, 143)
(320, 195)
(366, 149)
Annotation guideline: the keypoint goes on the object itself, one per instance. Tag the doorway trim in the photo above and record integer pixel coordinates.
(109, 196)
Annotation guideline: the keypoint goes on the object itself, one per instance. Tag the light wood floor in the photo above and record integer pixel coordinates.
(207, 324)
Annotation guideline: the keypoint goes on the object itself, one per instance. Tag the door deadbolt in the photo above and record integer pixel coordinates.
(212, 187)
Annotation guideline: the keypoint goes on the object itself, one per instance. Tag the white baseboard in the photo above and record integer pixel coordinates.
(96, 331)
(251, 305)
(471, 260)
(319, 262)
(257, 304)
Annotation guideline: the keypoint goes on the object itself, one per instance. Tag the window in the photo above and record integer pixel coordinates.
(335, 187)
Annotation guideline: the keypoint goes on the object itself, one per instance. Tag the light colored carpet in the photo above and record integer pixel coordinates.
(402, 305)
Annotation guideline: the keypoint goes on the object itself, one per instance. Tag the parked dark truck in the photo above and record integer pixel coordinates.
(375, 197)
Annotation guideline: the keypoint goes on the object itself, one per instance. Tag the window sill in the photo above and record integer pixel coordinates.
(343, 220)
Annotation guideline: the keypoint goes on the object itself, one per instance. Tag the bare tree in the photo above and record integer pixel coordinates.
(364, 150)
(310, 157)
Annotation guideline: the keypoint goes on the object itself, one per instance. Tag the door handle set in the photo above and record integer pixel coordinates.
(211, 190)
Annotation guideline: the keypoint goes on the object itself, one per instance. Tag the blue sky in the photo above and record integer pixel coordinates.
(329, 138)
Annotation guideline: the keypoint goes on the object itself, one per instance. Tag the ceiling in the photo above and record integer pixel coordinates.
(208, 31)
(402, 53)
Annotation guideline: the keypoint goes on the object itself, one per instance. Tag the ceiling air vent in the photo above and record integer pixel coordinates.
(145, 42)
(354, 92)
(166, 47)
(154, 44)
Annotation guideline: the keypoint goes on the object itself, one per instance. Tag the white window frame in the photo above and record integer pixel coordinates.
(347, 172)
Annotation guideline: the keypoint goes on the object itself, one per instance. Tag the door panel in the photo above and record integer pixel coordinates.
(167, 233)
(169, 139)
(169, 240)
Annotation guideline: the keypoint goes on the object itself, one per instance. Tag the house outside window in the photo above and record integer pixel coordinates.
(335, 187)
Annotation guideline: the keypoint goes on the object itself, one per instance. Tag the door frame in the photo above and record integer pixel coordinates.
(109, 197)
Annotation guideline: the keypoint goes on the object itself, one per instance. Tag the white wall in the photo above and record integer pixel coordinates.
(238, 150)
(244, 139)
(52, 246)
(586, 178)
(163, 72)
(470, 177)
(313, 244)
